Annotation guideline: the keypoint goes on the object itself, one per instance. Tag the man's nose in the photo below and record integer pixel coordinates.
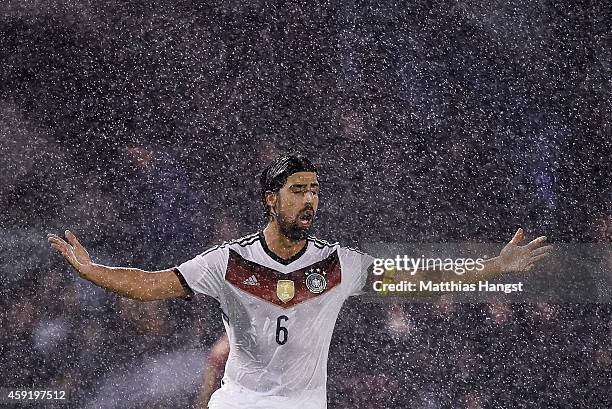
(308, 197)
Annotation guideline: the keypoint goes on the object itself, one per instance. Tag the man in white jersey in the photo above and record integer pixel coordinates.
(280, 292)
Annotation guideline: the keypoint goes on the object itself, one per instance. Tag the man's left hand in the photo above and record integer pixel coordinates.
(515, 258)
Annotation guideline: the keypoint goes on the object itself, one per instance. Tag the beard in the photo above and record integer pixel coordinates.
(292, 228)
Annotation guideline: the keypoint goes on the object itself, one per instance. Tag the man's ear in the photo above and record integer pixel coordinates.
(271, 199)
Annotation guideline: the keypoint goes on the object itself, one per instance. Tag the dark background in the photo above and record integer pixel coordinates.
(142, 126)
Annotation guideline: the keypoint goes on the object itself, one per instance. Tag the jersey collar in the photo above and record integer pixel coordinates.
(275, 257)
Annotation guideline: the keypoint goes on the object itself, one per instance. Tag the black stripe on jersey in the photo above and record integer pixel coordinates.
(188, 291)
(321, 243)
(246, 239)
(324, 243)
(355, 250)
(224, 316)
(218, 246)
(242, 242)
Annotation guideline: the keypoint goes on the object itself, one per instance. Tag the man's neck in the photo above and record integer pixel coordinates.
(280, 244)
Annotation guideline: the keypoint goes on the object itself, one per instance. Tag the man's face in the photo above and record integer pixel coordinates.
(296, 204)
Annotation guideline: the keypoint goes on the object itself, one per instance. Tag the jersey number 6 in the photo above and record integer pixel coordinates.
(281, 332)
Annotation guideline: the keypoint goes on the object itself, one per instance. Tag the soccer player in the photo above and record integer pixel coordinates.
(280, 291)
(213, 372)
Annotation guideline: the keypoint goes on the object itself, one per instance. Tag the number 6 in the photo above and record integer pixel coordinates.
(281, 330)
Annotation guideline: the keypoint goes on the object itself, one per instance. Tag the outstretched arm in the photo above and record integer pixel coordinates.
(512, 258)
(127, 282)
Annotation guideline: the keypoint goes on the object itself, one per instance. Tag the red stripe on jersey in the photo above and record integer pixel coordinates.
(240, 271)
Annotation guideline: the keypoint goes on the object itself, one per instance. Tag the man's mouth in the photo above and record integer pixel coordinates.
(305, 218)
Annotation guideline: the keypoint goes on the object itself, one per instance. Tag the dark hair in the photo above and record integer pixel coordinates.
(275, 175)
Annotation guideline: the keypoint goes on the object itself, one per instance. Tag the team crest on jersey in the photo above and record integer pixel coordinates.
(285, 290)
(315, 280)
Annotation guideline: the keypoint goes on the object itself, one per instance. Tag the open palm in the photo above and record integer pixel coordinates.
(72, 251)
(515, 258)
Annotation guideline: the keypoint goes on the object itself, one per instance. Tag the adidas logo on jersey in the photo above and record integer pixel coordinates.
(252, 280)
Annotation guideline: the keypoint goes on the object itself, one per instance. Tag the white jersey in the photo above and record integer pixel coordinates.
(279, 316)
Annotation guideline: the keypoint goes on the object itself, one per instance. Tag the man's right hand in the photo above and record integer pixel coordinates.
(73, 252)
(127, 282)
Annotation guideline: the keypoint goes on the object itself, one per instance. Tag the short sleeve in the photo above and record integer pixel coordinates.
(205, 273)
(355, 269)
